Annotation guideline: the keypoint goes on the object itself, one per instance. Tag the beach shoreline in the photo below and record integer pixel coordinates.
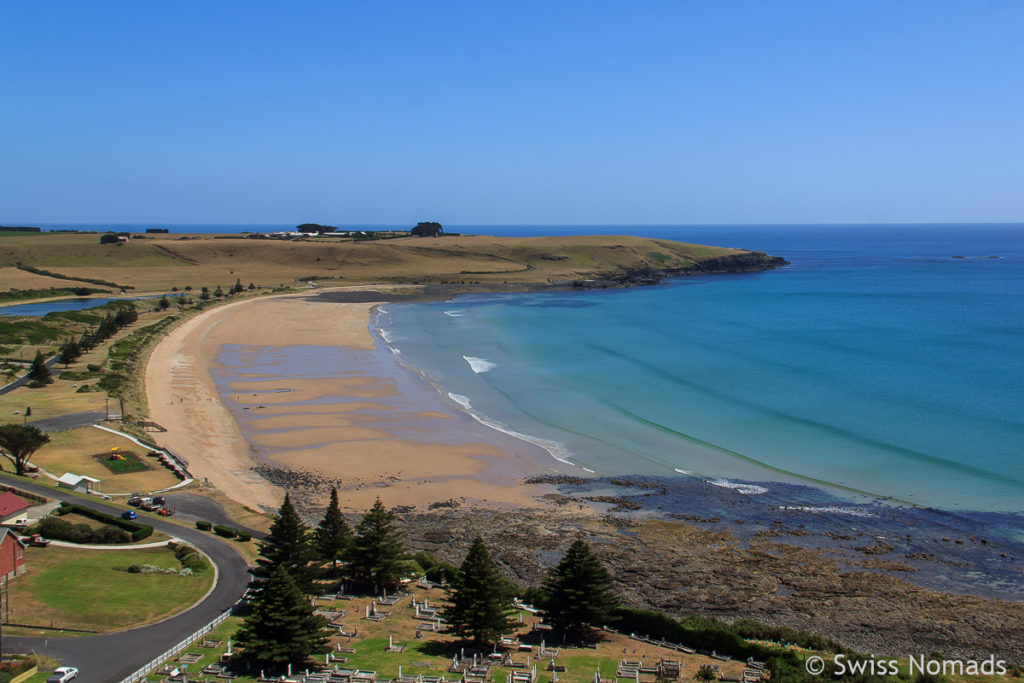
(360, 420)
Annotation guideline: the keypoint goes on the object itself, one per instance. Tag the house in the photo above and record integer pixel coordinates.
(78, 482)
(12, 507)
(12, 554)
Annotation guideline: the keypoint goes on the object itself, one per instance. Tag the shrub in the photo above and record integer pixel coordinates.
(225, 531)
(442, 570)
(189, 557)
(63, 530)
(109, 534)
(244, 536)
(203, 525)
(137, 530)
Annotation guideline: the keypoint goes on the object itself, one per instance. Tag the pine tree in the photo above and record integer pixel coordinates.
(376, 550)
(281, 626)
(287, 545)
(39, 372)
(333, 536)
(478, 607)
(70, 351)
(579, 592)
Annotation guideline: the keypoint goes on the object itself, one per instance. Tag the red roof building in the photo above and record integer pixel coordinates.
(11, 506)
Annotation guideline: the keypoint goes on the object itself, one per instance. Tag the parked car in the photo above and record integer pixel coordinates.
(36, 541)
(129, 514)
(135, 501)
(159, 500)
(62, 674)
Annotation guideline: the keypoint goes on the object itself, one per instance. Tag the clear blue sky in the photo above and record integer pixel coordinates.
(519, 112)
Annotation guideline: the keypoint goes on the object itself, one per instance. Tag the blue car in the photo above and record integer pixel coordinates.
(129, 514)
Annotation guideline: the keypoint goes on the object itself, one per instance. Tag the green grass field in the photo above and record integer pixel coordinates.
(91, 589)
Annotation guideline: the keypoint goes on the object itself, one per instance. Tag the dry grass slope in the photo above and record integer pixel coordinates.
(163, 261)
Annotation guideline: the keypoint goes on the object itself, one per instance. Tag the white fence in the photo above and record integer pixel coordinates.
(145, 669)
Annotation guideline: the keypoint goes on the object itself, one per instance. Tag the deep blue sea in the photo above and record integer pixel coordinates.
(879, 364)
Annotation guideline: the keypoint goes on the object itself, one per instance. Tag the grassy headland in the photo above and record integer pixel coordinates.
(160, 262)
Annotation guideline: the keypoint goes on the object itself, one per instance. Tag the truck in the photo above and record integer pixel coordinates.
(36, 541)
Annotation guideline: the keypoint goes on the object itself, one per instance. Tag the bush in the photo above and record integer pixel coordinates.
(244, 536)
(138, 531)
(189, 557)
(109, 534)
(442, 570)
(63, 530)
(203, 525)
(225, 531)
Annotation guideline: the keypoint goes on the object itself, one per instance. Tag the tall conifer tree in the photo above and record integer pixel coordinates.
(333, 536)
(579, 592)
(39, 372)
(281, 626)
(287, 545)
(376, 549)
(478, 607)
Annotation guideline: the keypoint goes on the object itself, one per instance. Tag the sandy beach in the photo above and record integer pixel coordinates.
(340, 424)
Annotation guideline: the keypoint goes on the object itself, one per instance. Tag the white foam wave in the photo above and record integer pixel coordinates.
(479, 365)
(682, 471)
(461, 400)
(455, 314)
(386, 336)
(744, 489)
(557, 450)
(828, 509)
(394, 350)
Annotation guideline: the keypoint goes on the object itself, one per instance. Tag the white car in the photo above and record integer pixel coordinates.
(63, 674)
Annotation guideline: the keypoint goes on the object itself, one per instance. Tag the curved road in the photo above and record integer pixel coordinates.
(113, 656)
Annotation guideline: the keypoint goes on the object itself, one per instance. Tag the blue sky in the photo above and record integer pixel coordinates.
(524, 112)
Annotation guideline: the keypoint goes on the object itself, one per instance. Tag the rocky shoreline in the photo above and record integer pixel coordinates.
(848, 590)
(744, 262)
(680, 569)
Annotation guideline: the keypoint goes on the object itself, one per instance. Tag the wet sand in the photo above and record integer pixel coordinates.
(350, 422)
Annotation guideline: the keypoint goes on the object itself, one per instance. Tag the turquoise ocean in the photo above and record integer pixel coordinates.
(870, 392)
(884, 362)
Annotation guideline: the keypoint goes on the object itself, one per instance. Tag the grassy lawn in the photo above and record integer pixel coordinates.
(73, 451)
(89, 589)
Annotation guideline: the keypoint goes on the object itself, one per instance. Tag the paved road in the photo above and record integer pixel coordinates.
(111, 657)
(23, 380)
(70, 421)
(191, 507)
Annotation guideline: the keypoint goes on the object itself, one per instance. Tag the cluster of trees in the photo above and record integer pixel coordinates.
(576, 596)
(427, 229)
(237, 288)
(295, 561)
(72, 349)
(281, 626)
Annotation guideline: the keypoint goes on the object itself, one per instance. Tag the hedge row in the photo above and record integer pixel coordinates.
(138, 531)
(223, 530)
